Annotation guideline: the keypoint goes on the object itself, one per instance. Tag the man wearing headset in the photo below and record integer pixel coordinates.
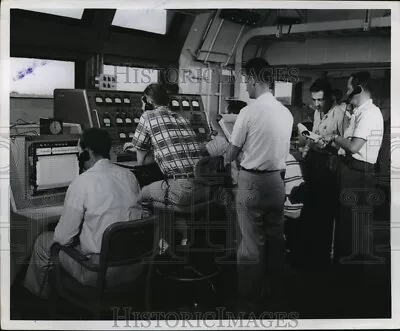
(359, 149)
(172, 143)
(101, 195)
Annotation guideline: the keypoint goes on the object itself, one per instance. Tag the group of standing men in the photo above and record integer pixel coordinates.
(339, 171)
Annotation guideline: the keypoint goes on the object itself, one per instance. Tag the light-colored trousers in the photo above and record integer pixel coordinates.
(259, 202)
(36, 279)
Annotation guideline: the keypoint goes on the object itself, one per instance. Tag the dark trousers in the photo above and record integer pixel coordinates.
(319, 209)
(259, 202)
(358, 198)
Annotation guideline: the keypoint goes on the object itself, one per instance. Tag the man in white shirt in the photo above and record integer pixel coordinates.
(262, 133)
(102, 195)
(359, 149)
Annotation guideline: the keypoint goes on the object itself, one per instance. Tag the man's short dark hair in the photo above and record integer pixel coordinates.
(158, 93)
(363, 79)
(234, 106)
(97, 140)
(172, 88)
(260, 70)
(322, 84)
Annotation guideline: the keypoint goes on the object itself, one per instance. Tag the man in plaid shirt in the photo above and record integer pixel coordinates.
(174, 145)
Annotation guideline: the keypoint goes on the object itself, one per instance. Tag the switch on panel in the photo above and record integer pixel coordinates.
(107, 121)
(185, 105)
(195, 105)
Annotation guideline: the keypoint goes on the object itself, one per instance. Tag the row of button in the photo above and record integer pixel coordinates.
(57, 150)
(53, 144)
(123, 135)
(119, 121)
(185, 103)
(109, 100)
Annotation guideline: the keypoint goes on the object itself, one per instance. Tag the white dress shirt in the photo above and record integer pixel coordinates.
(366, 123)
(101, 196)
(263, 131)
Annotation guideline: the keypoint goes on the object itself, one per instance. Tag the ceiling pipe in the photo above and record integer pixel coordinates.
(301, 28)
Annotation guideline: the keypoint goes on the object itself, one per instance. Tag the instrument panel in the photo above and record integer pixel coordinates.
(119, 112)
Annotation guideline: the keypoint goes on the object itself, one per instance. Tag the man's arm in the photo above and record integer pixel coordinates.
(352, 145)
(238, 137)
(232, 153)
(342, 121)
(144, 157)
(72, 216)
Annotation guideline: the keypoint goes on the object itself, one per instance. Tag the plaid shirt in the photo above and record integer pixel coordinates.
(174, 143)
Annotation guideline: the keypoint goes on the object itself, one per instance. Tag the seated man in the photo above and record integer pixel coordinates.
(102, 195)
(169, 137)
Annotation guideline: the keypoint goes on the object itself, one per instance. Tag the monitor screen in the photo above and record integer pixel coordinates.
(283, 92)
(37, 78)
(56, 171)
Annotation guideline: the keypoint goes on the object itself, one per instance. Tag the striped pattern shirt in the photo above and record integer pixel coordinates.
(293, 179)
(171, 138)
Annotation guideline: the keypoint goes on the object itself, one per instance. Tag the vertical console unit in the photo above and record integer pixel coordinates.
(41, 169)
(119, 112)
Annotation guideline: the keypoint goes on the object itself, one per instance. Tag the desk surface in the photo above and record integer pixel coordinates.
(129, 164)
(41, 212)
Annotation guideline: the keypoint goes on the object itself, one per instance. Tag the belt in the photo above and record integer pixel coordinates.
(255, 171)
(180, 176)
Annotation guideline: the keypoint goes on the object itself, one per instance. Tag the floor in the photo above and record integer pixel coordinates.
(310, 295)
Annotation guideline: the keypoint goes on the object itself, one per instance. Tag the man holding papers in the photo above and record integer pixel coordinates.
(262, 133)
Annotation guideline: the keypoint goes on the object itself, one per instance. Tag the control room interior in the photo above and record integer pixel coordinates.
(202, 50)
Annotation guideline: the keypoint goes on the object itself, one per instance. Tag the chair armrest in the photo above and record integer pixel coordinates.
(75, 255)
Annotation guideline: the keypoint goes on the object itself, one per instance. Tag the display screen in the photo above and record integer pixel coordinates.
(37, 78)
(56, 171)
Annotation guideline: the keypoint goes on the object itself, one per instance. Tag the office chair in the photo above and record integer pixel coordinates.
(192, 266)
(123, 244)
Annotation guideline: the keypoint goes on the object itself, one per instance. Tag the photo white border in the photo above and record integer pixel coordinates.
(158, 4)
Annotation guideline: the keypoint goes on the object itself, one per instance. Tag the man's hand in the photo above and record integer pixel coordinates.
(128, 147)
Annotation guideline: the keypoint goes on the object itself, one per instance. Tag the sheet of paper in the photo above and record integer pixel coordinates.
(56, 171)
(226, 123)
(305, 132)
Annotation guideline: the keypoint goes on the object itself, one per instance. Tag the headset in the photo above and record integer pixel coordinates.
(357, 90)
(147, 105)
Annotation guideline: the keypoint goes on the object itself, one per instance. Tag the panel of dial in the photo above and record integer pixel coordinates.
(191, 106)
(117, 112)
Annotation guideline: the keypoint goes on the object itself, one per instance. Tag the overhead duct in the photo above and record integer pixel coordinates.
(306, 31)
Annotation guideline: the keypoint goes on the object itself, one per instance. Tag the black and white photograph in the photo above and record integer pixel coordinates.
(212, 165)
